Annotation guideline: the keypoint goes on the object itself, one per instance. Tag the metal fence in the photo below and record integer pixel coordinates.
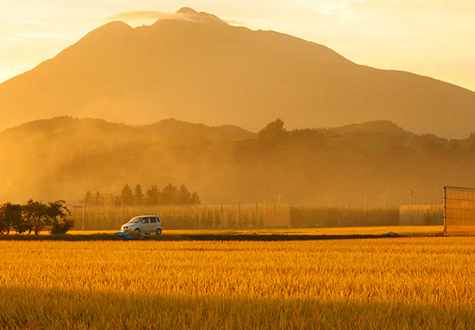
(221, 216)
(421, 215)
(459, 211)
(270, 215)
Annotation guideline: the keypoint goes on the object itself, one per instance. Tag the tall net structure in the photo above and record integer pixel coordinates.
(459, 211)
(109, 216)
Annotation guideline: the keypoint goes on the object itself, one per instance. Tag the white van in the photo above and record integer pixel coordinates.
(144, 224)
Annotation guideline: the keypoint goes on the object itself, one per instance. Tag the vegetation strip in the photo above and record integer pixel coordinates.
(188, 237)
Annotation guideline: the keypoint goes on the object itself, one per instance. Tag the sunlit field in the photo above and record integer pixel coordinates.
(387, 283)
(246, 235)
(402, 230)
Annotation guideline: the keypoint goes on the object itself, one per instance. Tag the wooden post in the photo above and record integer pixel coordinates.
(83, 213)
(214, 218)
(221, 216)
(239, 213)
(159, 208)
(265, 212)
(290, 215)
(275, 210)
(233, 218)
(194, 226)
(121, 209)
(445, 211)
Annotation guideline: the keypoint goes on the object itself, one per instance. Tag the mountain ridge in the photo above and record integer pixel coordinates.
(380, 126)
(63, 157)
(218, 73)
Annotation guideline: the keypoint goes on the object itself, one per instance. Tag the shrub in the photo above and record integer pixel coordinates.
(17, 222)
(36, 215)
(10, 218)
(56, 213)
(61, 227)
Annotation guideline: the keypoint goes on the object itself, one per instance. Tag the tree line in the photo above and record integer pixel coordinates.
(152, 196)
(34, 217)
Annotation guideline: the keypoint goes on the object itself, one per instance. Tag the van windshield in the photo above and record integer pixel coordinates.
(134, 220)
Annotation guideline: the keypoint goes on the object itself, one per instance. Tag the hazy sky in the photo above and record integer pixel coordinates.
(429, 37)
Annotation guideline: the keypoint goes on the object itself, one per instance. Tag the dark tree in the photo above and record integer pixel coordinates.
(5, 223)
(18, 223)
(273, 129)
(98, 199)
(57, 214)
(88, 198)
(169, 194)
(127, 196)
(36, 215)
(10, 218)
(138, 195)
(183, 196)
(116, 200)
(195, 199)
(152, 197)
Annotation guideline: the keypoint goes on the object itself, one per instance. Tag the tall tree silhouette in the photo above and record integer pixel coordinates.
(10, 218)
(169, 194)
(183, 195)
(88, 198)
(195, 199)
(98, 199)
(273, 129)
(36, 214)
(152, 196)
(127, 196)
(138, 195)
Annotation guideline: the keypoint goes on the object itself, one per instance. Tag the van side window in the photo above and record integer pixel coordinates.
(158, 219)
(153, 220)
(145, 220)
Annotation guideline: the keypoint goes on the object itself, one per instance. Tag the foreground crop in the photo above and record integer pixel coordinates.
(396, 283)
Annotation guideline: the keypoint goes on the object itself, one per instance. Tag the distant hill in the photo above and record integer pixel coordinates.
(63, 157)
(201, 69)
(380, 127)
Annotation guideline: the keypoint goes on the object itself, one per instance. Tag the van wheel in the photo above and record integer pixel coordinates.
(138, 230)
(159, 231)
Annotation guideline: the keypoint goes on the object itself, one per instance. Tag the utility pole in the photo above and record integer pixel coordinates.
(122, 209)
(265, 211)
(411, 193)
(83, 212)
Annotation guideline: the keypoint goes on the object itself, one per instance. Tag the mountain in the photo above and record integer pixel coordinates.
(198, 68)
(378, 127)
(62, 158)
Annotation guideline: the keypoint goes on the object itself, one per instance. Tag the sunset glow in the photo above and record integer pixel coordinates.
(279, 164)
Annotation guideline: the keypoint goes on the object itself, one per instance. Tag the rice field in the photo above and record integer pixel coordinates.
(376, 230)
(393, 283)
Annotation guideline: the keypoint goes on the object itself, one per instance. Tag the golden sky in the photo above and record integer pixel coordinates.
(428, 37)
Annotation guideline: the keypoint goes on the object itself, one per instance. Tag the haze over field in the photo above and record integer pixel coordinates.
(377, 161)
(199, 68)
(352, 132)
